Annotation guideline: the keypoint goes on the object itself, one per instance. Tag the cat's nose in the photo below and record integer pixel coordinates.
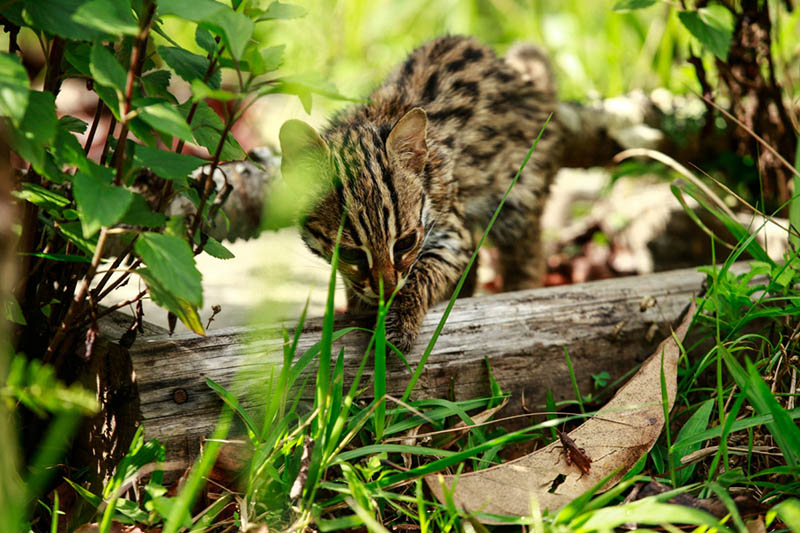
(389, 282)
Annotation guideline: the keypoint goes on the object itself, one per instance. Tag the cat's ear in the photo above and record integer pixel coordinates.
(406, 142)
(302, 149)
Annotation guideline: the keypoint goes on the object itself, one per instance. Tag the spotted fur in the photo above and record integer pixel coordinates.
(421, 167)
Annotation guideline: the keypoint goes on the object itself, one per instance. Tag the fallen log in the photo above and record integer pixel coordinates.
(608, 325)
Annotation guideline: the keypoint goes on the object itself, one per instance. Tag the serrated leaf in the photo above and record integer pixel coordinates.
(109, 16)
(205, 40)
(166, 165)
(279, 10)
(171, 262)
(207, 128)
(214, 248)
(156, 83)
(712, 26)
(234, 28)
(105, 68)
(166, 119)
(140, 214)
(180, 307)
(189, 66)
(630, 5)
(13, 88)
(99, 203)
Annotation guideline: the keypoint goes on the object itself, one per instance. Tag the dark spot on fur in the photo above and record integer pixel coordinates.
(463, 114)
(431, 88)
(468, 89)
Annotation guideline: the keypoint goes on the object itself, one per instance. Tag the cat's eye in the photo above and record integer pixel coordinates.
(405, 244)
(352, 256)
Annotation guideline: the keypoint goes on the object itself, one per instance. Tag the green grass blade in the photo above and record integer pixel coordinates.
(179, 513)
(574, 380)
(421, 365)
(696, 423)
(230, 400)
(379, 372)
(784, 431)
(649, 511)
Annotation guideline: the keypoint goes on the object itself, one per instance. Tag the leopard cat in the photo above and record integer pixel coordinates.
(419, 169)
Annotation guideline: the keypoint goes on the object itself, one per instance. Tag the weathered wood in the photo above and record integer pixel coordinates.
(606, 325)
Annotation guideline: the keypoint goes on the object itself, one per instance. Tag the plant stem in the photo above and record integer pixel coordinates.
(55, 343)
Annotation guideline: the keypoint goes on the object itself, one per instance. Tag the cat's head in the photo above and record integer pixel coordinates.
(371, 179)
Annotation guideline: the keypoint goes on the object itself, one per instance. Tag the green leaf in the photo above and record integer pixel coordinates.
(207, 128)
(789, 511)
(630, 5)
(189, 66)
(265, 60)
(171, 262)
(272, 57)
(99, 203)
(41, 197)
(696, 424)
(36, 130)
(166, 165)
(68, 151)
(105, 68)
(109, 16)
(13, 88)
(278, 10)
(178, 306)
(58, 17)
(13, 311)
(214, 248)
(234, 28)
(73, 232)
(140, 214)
(205, 40)
(712, 26)
(61, 257)
(72, 124)
(303, 85)
(156, 83)
(201, 91)
(166, 119)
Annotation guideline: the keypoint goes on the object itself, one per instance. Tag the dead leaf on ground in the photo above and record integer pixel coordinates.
(615, 438)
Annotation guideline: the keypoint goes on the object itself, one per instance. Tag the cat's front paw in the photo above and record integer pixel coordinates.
(401, 330)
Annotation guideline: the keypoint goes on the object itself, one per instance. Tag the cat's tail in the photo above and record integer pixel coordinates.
(533, 64)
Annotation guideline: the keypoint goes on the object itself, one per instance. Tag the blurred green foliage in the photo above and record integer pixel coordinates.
(595, 50)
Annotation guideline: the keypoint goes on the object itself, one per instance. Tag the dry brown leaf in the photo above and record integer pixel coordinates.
(615, 438)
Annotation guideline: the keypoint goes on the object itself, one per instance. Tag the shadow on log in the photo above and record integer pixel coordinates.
(608, 325)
